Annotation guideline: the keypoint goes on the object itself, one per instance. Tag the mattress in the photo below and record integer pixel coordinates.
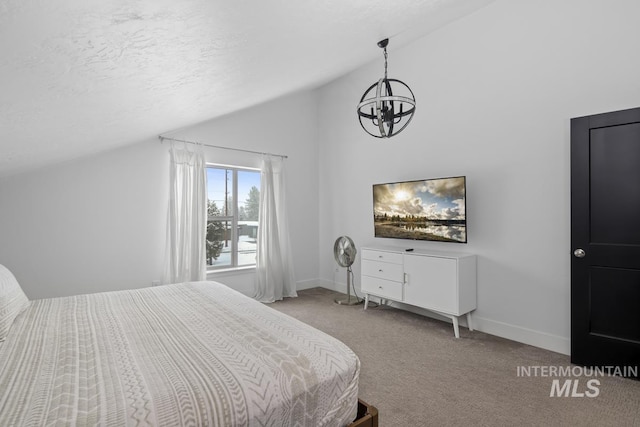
(191, 354)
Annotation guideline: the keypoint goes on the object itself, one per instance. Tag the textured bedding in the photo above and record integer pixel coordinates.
(190, 354)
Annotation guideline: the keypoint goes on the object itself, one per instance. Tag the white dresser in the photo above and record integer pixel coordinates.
(442, 282)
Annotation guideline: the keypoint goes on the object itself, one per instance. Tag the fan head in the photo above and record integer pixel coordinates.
(344, 251)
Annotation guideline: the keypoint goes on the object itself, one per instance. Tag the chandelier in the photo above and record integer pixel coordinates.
(386, 107)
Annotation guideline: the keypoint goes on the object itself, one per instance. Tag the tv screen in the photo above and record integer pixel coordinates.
(431, 209)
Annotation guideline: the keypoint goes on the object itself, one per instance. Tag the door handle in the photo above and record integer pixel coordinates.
(579, 253)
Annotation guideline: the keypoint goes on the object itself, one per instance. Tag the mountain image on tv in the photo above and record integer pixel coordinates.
(431, 209)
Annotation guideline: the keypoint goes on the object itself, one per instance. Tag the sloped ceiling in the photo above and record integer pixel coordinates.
(82, 76)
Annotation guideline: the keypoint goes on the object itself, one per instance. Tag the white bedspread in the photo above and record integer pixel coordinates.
(193, 354)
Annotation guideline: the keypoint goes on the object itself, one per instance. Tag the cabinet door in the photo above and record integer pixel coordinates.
(431, 283)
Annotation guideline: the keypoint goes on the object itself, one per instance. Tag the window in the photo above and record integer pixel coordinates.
(232, 216)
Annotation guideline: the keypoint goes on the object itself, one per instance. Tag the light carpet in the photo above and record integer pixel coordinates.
(418, 374)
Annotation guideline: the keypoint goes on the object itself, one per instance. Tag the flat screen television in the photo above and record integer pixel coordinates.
(430, 209)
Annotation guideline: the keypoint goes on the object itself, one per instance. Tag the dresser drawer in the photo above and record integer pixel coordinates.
(395, 258)
(382, 288)
(383, 270)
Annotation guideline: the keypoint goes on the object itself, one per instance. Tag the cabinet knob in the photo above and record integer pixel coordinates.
(380, 270)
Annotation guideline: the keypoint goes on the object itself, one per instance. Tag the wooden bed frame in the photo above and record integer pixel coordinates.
(367, 415)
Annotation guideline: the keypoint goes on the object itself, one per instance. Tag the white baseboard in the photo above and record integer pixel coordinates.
(328, 284)
(308, 284)
(524, 335)
(492, 327)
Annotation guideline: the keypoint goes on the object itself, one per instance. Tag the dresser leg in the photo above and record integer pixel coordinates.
(456, 328)
(366, 301)
(469, 324)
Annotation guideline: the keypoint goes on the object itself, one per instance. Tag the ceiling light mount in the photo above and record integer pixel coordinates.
(386, 107)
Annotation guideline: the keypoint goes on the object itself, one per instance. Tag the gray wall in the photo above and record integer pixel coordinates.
(495, 93)
(98, 223)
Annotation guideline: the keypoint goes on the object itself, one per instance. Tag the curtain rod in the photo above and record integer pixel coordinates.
(162, 138)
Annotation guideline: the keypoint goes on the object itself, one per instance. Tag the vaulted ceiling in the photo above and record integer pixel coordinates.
(83, 76)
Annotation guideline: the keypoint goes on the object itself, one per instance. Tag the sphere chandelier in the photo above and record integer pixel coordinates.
(386, 107)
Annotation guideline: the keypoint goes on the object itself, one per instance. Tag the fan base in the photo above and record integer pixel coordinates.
(349, 301)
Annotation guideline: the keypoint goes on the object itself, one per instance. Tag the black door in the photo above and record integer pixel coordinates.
(605, 238)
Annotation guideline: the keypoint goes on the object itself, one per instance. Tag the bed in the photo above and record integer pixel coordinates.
(194, 353)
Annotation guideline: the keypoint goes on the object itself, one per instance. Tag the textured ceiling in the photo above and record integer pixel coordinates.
(82, 76)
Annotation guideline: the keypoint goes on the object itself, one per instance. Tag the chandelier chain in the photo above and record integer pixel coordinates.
(385, 63)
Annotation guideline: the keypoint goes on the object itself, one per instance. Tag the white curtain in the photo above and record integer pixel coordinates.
(187, 216)
(275, 278)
